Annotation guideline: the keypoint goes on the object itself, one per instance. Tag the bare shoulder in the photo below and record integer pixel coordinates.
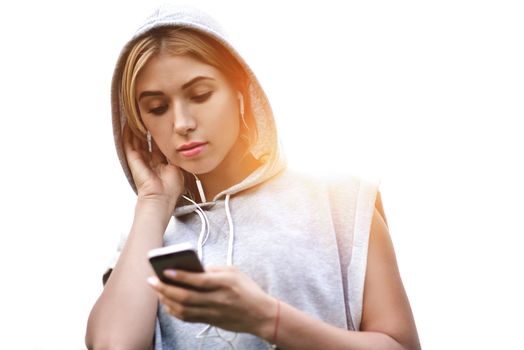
(386, 307)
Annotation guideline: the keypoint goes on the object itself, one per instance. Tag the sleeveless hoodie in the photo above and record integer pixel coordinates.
(303, 239)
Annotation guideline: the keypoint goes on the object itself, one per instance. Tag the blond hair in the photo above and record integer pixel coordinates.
(183, 41)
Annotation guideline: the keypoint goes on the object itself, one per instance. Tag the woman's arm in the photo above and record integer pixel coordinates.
(387, 321)
(230, 300)
(386, 306)
(124, 314)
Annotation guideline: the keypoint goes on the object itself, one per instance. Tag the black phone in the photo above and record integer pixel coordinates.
(178, 256)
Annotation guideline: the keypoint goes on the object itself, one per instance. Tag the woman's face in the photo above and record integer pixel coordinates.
(191, 111)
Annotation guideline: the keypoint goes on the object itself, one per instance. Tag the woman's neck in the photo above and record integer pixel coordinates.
(233, 169)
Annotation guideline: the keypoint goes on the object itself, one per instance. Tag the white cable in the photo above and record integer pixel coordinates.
(231, 236)
(200, 189)
(205, 227)
(201, 237)
(201, 241)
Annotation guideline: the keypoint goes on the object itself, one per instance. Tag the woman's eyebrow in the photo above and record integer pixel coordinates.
(185, 86)
(150, 93)
(195, 80)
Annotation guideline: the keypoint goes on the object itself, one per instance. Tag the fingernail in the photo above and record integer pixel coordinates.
(170, 273)
(152, 281)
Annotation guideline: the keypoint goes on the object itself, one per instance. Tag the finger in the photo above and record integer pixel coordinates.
(126, 138)
(213, 268)
(223, 275)
(169, 294)
(129, 149)
(192, 313)
(134, 158)
(156, 156)
(140, 146)
(177, 299)
(200, 280)
(129, 141)
(178, 295)
(158, 159)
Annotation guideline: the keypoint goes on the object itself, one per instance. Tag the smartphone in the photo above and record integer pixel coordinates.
(180, 256)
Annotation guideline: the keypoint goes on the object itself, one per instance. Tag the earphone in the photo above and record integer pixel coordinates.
(149, 143)
(241, 99)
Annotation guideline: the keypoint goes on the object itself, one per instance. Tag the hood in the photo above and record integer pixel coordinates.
(266, 150)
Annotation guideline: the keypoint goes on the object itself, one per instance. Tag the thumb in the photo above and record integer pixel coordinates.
(216, 268)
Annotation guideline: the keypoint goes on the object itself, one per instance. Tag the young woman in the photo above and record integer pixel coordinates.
(291, 261)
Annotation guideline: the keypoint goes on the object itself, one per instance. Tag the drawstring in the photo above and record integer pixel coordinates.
(217, 334)
(202, 238)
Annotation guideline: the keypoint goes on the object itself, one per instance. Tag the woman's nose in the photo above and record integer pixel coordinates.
(183, 121)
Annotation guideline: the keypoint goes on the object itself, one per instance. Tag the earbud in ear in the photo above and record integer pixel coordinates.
(149, 143)
(241, 99)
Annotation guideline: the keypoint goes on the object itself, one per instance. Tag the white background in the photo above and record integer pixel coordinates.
(428, 96)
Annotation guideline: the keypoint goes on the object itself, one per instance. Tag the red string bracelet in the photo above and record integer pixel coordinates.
(275, 333)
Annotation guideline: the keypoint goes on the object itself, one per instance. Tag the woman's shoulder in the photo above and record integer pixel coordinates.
(341, 190)
(325, 179)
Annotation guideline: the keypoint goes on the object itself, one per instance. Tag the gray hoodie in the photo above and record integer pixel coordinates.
(303, 239)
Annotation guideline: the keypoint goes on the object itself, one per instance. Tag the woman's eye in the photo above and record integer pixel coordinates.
(202, 97)
(158, 110)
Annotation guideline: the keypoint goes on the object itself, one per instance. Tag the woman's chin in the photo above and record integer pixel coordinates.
(197, 169)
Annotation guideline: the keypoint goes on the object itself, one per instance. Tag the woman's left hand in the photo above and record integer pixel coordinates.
(226, 298)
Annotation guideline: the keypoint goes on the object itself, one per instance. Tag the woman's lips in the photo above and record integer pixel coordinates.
(193, 151)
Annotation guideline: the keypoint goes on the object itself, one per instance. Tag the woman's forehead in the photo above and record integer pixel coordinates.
(175, 70)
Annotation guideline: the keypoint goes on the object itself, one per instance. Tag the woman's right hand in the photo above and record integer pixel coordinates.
(155, 179)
